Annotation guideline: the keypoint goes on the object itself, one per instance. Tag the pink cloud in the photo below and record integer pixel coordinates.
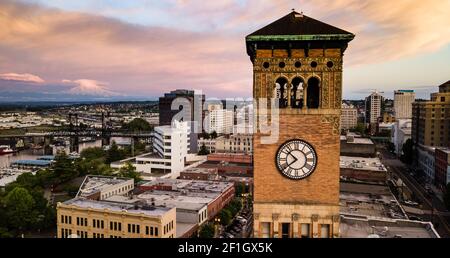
(21, 77)
(151, 60)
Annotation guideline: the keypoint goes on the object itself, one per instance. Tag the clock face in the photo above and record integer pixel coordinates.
(296, 159)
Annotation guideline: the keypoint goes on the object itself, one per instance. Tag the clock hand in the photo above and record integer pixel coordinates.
(295, 160)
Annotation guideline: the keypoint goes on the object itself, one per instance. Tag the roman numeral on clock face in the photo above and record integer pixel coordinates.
(296, 159)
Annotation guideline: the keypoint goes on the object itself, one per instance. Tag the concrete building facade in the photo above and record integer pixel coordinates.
(403, 100)
(349, 117)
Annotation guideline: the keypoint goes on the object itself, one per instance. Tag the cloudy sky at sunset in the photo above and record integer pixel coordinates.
(138, 48)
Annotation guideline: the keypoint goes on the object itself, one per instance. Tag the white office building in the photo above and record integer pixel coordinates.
(219, 120)
(170, 149)
(401, 132)
(403, 100)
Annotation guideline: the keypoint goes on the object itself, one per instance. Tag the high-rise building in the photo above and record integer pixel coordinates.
(374, 104)
(431, 119)
(219, 120)
(187, 104)
(168, 158)
(403, 100)
(349, 116)
(298, 61)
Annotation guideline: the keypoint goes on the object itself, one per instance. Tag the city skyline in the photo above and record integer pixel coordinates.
(62, 50)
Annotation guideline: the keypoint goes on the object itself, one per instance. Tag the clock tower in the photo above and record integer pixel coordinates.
(297, 63)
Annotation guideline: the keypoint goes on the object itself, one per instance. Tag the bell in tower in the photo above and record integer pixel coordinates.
(297, 63)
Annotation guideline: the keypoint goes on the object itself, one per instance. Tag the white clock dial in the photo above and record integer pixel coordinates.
(296, 159)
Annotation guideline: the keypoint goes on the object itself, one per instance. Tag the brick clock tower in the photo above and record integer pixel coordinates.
(297, 60)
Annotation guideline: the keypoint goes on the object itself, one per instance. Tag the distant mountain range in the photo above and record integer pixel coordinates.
(69, 91)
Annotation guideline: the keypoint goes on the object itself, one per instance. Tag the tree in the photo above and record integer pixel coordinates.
(239, 189)
(225, 216)
(137, 124)
(213, 135)
(203, 151)
(360, 128)
(407, 149)
(63, 168)
(207, 231)
(128, 170)
(19, 206)
(114, 154)
(235, 206)
(205, 135)
(447, 197)
(93, 153)
(93, 167)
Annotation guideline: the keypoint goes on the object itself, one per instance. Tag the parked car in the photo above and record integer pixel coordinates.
(411, 203)
(415, 218)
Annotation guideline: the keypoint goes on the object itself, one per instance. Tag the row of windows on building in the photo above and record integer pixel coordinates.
(286, 230)
(113, 225)
(65, 233)
(168, 227)
(202, 216)
(126, 188)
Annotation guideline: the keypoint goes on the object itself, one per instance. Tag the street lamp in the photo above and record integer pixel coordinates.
(217, 226)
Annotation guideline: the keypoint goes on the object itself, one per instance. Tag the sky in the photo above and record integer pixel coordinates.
(114, 49)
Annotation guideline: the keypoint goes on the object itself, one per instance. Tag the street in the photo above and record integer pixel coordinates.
(432, 206)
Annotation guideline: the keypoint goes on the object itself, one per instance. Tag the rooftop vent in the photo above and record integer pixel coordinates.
(298, 15)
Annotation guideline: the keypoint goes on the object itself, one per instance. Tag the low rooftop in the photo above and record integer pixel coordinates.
(364, 227)
(375, 201)
(153, 211)
(191, 185)
(94, 184)
(356, 139)
(373, 164)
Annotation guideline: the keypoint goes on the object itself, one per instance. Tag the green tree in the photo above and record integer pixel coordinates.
(235, 206)
(63, 168)
(93, 167)
(128, 170)
(205, 135)
(114, 154)
(207, 231)
(447, 197)
(213, 135)
(19, 206)
(225, 216)
(360, 128)
(407, 149)
(93, 153)
(239, 189)
(137, 124)
(203, 151)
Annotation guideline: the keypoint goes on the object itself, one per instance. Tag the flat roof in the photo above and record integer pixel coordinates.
(372, 164)
(356, 139)
(375, 201)
(200, 170)
(183, 228)
(365, 227)
(178, 200)
(154, 211)
(191, 185)
(32, 162)
(94, 184)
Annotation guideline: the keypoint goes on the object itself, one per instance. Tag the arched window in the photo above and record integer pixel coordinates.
(313, 93)
(297, 93)
(281, 93)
